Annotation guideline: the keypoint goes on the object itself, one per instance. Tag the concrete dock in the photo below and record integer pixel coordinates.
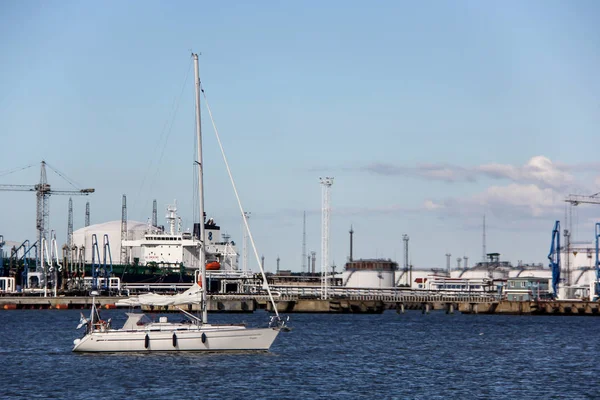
(354, 304)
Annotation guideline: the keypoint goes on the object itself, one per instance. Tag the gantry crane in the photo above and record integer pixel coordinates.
(575, 200)
(43, 192)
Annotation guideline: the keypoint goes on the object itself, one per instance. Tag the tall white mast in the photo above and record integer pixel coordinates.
(325, 217)
(200, 187)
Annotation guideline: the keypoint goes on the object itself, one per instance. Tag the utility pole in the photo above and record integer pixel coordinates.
(278, 259)
(351, 241)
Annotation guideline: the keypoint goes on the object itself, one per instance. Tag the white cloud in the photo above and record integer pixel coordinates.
(514, 201)
(431, 205)
(525, 200)
(539, 170)
(441, 172)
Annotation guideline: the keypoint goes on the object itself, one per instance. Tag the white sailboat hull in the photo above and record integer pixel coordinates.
(215, 339)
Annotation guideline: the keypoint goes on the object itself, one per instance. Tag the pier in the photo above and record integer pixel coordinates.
(354, 301)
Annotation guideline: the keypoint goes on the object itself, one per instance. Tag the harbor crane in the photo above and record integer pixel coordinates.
(576, 199)
(554, 257)
(43, 192)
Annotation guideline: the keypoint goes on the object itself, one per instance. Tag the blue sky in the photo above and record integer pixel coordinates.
(427, 114)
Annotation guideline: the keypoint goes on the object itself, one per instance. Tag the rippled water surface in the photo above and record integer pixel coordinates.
(388, 356)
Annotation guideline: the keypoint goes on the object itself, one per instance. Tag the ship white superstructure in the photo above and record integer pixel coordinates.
(149, 245)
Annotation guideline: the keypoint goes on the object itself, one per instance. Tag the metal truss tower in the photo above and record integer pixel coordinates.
(325, 219)
(405, 238)
(87, 213)
(154, 214)
(70, 225)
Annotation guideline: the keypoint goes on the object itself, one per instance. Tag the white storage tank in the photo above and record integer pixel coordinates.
(374, 273)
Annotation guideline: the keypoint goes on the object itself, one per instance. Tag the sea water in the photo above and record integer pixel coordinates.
(328, 356)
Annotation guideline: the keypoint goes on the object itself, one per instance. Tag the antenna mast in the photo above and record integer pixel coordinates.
(123, 230)
(405, 238)
(484, 250)
(304, 244)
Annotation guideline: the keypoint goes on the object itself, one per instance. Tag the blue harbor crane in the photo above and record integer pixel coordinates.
(24, 259)
(100, 267)
(2, 242)
(554, 257)
(597, 233)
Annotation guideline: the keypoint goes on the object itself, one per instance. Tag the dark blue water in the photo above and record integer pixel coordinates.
(388, 356)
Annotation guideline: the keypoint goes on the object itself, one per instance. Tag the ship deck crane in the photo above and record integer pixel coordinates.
(43, 192)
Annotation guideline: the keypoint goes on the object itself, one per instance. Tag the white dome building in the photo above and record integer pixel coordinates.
(84, 237)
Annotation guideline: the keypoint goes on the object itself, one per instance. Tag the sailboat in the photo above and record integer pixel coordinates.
(194, 333)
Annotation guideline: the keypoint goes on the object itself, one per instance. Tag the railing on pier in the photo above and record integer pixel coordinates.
(291, 293)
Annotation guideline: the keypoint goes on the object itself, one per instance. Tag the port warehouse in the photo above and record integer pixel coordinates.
(141, 271)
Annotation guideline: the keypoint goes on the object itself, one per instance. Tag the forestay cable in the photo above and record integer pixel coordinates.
(240, 205)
